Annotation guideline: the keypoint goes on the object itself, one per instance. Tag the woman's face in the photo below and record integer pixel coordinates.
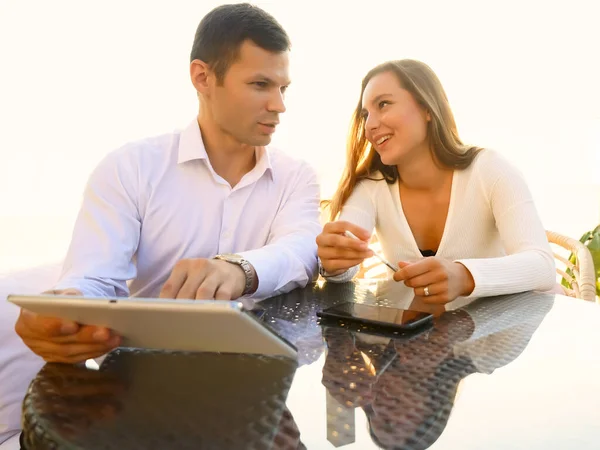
(395, 124)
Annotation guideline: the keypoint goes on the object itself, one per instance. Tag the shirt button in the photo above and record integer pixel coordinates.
(226, 234)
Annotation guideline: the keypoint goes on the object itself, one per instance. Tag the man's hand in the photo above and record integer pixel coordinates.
(64, 341)
(444, 280)
(205, 279)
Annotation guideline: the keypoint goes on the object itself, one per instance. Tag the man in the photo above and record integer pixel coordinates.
(205, 213)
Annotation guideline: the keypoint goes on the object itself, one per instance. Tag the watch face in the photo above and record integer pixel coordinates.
(232, 257)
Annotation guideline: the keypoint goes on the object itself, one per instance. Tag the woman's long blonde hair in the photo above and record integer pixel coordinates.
(448, 150)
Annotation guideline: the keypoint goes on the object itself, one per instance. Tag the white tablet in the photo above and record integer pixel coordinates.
(186, 325)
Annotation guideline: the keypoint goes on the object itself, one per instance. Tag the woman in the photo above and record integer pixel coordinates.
(459, 220)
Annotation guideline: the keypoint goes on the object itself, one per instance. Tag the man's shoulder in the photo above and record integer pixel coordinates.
(142, 157)
(150, 148)
(284, 164)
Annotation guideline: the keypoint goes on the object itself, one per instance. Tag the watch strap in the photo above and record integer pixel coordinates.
(245, 266)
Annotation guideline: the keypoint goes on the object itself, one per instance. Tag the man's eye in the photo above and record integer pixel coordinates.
(261, 84)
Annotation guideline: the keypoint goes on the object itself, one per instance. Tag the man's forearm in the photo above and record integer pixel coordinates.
(282, 266)
(93, 287)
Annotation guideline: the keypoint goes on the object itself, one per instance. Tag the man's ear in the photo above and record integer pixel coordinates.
(200, 75)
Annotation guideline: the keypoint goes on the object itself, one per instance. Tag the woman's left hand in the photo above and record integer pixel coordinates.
(436, 280)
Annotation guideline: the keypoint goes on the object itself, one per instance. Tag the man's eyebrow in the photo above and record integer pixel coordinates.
(269, 80)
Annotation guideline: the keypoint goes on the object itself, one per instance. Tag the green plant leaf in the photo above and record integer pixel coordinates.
(591, 240)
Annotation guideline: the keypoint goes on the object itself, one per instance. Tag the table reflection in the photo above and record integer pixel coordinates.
(407, 385)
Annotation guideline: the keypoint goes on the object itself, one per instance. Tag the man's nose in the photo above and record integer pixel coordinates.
(277, 103)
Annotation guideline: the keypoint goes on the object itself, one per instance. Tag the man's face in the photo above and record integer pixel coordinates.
(248, 102)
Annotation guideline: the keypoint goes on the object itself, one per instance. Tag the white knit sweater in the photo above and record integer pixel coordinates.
(492, 227)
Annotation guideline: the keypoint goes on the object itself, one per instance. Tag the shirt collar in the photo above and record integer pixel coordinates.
(263, 161)
(191, 147)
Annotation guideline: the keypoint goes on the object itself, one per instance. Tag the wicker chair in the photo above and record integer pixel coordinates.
(582, 277)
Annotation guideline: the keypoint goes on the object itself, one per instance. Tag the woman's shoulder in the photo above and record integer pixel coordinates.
(496, 175)
(369, 188)
(489, 158)
(373, 180)
(490, 165)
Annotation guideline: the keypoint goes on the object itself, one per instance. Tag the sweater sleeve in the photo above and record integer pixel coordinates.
(360, 210)
(529, 263)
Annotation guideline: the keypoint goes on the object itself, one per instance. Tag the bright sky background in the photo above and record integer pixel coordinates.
(79, 79)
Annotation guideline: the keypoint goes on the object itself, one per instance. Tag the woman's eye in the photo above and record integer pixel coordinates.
(383, 103)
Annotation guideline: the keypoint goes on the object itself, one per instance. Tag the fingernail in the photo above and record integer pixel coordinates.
(68, 328)
(100, 335)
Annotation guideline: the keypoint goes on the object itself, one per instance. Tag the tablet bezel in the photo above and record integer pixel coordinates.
(81, 309)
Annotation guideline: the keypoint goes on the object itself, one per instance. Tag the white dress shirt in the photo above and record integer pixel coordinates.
(154, 202)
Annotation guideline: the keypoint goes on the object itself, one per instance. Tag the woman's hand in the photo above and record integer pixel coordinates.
(436, 280)
(338, 252)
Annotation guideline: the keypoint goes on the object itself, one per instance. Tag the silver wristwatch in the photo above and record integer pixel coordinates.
(322, 270)
(246, 267)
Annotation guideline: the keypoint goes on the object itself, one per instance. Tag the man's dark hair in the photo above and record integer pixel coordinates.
(222, 31)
